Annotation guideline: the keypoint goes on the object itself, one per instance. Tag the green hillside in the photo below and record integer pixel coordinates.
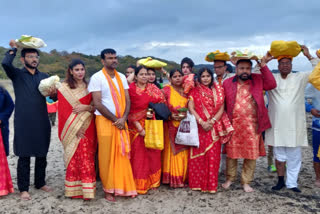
(56, 63)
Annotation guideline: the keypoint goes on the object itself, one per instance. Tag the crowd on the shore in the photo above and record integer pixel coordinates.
(145, 133)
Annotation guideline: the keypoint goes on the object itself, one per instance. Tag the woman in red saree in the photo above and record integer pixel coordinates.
(146, 163)
(206, 103)
(6, 186)
(174, 156)
(77, 133)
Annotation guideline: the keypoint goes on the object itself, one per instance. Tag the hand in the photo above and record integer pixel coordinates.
(0, 121)
(163, 71)
(13, 44)
(265, 59)
(315, 112)
(306, 52)
(79, 108)
(206, 126)
(175, 117)
(142, 133)
(120, 123)
(149, 116)
(233, 61)
(52, 92)
(80, 133)
(318, 53)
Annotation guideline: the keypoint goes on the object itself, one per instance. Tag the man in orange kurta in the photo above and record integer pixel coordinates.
(245, 107)
(111, 98)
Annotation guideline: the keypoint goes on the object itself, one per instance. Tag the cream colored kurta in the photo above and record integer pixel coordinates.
(287, 111)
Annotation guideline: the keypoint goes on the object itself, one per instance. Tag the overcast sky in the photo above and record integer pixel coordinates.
(168, 29)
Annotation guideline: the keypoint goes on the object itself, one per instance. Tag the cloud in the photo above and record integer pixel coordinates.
(166, 29)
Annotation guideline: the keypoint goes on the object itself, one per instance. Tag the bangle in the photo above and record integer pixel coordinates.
(199, 121)
(214, 119)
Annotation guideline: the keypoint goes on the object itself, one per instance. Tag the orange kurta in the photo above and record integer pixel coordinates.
(245, 140)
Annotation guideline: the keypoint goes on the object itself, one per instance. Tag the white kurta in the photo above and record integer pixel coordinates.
(287, 111)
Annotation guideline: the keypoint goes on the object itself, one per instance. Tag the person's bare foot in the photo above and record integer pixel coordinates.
(25, 196)
(109, 197)
(247, 188)
(227, 184)
(317, 183)
(46, 188)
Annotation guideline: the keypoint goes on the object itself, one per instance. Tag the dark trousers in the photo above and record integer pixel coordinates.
(52, 118)
(23, 173)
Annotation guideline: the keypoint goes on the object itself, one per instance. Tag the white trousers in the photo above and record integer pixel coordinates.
(291, 155)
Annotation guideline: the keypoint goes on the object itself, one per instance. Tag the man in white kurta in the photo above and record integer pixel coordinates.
(287, 115)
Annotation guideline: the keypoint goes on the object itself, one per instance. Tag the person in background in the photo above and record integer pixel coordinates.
(312, 94)
(52, 107)
(130, 70)
(189, 78)
(152, 77)
(6, 109)
(229, 69)
(314, 108)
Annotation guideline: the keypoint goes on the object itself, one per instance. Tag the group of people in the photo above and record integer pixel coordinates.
(107, 116)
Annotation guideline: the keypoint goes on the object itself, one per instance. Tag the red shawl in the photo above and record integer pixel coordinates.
(207, 103)
(140, 99)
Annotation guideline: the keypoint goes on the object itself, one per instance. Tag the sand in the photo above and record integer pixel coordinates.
(165, 199)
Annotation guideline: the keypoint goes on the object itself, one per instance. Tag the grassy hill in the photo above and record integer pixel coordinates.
(56, 63)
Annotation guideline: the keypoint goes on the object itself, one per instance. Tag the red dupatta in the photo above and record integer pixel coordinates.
(140, 99)
(69, 122)
(119, 101)
(207, 103)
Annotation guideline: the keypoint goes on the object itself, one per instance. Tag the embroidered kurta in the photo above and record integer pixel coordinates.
(287, 111)
(245, 140)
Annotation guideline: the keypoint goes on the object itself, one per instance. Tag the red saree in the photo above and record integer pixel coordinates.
(146, 163)
(6, 186)
(204, 161)
(79, 154)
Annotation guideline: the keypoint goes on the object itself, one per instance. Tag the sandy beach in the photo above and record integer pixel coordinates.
(165, 199)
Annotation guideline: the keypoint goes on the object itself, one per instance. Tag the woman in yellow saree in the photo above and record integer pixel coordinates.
(174, 156)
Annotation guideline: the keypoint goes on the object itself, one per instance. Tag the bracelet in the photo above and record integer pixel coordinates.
(214, 120)
(199, 121)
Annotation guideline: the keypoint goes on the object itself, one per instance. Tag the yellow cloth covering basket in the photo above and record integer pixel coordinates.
(285, 48)
(152, 63)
